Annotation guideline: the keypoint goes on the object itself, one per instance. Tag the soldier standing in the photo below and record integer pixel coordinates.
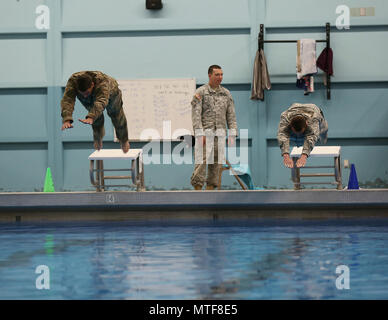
(212, 109)
(96, 91)
(304, 125)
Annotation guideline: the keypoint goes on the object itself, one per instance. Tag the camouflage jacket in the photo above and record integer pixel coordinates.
(213, 109)
(105, 88)
(313, 116)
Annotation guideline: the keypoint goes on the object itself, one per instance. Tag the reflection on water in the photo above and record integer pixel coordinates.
(259, 259)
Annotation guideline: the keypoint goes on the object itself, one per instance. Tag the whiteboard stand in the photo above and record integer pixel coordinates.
(136, 168)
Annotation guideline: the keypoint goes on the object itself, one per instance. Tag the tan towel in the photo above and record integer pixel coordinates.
(261, 79)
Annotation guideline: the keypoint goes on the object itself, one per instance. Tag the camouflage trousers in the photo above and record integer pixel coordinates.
(323, 130)
(199, 177)
(119, 121)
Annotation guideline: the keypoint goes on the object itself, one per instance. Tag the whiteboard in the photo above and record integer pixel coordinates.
(157, 109)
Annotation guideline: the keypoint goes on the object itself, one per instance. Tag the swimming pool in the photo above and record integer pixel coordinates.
(223, 259)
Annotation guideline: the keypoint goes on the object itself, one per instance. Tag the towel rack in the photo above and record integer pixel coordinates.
(327, 41)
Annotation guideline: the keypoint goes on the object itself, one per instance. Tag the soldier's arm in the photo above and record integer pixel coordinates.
(283, 135)
(311, 137)
(102, 100)
(68, 101)
(231, 118)
(196, 114)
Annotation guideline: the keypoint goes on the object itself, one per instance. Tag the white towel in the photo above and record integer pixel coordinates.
(306, 59)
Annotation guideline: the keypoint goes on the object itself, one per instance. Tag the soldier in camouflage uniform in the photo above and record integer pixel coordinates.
(212, 110)
(303, 125)
(96, 91)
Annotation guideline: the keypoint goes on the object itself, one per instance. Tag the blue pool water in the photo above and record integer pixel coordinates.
(252, 259)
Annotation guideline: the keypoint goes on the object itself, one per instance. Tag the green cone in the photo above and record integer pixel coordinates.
(48, 182)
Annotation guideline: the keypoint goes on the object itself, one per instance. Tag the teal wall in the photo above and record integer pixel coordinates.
(123, 39)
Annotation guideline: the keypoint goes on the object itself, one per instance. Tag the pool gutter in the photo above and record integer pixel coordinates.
(166, 203)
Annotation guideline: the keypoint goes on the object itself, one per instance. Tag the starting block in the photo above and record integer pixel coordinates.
(319, 152)
(135, 167)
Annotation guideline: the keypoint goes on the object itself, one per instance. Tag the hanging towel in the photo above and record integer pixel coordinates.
(306, 58)
(308, 84)
(261, 79)
(325, 61)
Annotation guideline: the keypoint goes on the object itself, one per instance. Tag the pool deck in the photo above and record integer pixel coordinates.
(322, 203)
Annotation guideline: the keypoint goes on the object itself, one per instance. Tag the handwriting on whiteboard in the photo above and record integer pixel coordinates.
(149, 102)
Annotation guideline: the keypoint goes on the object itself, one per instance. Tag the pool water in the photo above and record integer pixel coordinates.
(248, 259)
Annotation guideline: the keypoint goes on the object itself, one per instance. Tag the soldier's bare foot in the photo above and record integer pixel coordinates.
(98, 145)
(125, 146)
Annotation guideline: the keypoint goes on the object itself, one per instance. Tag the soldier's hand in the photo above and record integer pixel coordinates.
(198, 96)
(86, 121)
(66, 125)
(301, 161)
(288, 161)
(231, 141)
(201, 140)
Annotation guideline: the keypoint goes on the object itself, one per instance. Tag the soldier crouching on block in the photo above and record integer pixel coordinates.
(96, 91)
(304, 125)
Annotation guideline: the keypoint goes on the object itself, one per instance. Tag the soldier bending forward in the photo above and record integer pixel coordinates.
(96, 91)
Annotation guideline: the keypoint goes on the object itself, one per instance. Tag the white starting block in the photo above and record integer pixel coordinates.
(135, 166)
(321, 152)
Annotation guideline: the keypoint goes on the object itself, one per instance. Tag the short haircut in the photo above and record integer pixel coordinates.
(84, 82)
(212, 67)
(298, 123)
